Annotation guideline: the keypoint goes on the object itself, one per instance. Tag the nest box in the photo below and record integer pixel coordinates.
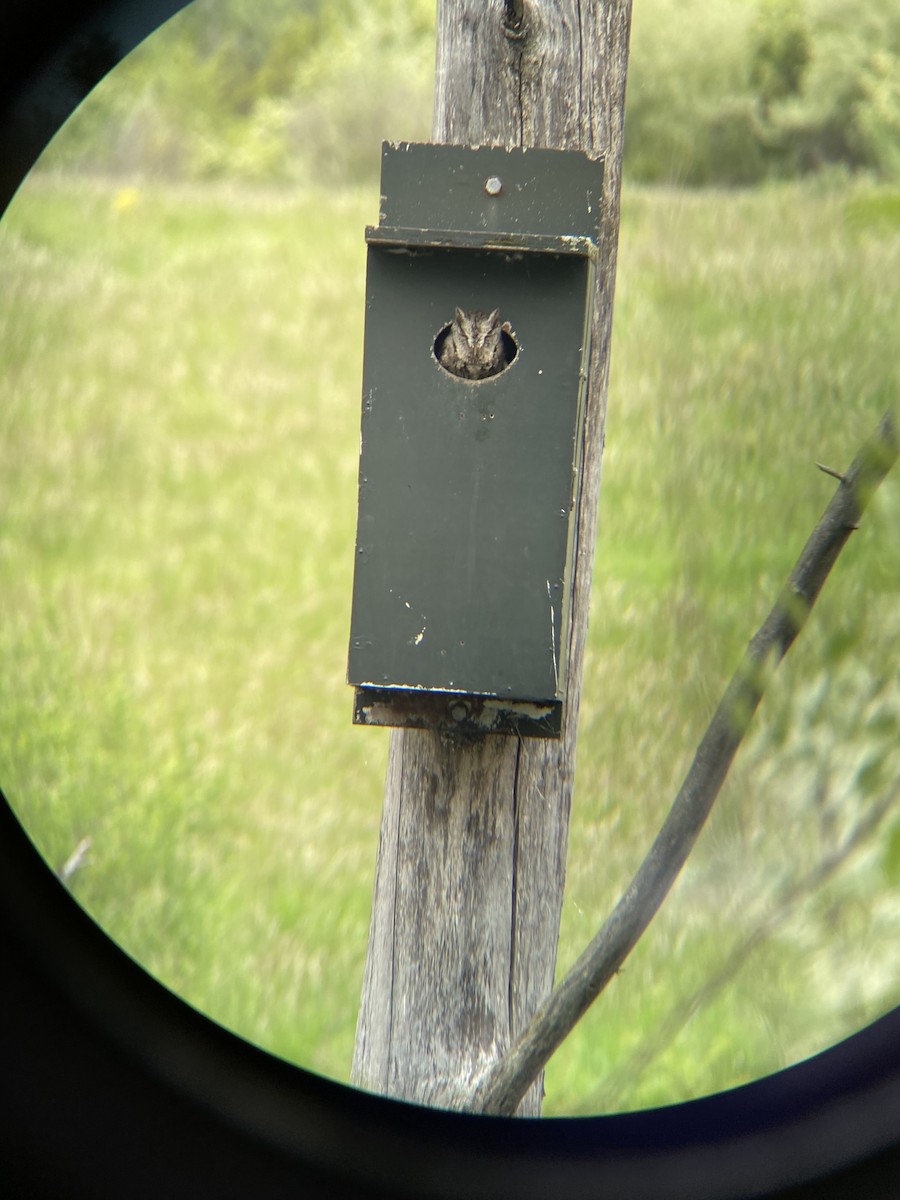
(478, 312)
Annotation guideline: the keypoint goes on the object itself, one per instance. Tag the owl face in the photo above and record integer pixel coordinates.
(474, 346)
(476, 334)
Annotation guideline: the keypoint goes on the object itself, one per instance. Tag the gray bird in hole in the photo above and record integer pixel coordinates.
(476, 345)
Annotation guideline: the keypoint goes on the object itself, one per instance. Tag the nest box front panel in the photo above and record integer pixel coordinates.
(466, 488)
(468, 475)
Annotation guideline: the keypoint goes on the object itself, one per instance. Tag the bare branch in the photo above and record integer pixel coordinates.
(504, 1083)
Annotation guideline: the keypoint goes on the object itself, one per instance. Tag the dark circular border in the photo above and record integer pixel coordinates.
(111, 1086)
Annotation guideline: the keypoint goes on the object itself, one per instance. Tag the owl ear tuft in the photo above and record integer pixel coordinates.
(459, 314)
(494, 316)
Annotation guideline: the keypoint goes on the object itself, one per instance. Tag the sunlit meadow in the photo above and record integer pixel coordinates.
(179, 416)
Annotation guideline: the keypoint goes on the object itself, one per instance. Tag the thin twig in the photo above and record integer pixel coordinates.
(503, 1084)
(832, 472)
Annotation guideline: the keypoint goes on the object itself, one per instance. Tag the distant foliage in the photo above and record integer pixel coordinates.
(779, 51)
(369, 78)
(726, 93)
(733, 93)
(282, 91)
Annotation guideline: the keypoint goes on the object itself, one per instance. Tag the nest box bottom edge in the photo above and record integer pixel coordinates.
(456, 712)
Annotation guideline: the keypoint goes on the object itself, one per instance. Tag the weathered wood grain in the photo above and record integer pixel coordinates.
(471, 860)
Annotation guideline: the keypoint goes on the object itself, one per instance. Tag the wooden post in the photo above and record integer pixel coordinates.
(471, 859)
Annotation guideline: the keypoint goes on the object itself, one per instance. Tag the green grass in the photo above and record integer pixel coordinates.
(179, 413)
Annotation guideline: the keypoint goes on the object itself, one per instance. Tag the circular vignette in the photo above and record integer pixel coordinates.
(113, 1086)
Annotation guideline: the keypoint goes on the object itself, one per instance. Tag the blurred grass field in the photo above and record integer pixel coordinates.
(179, 415)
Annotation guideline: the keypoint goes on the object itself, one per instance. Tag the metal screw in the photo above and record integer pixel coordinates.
(459, 712)
(493, 185)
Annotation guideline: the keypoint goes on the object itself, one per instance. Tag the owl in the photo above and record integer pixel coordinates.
(474, 346)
